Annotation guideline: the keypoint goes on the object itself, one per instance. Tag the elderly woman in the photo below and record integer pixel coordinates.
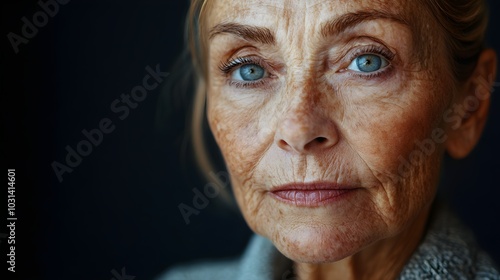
(333, 118)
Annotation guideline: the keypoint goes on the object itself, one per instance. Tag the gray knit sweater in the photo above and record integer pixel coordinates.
(448, 251)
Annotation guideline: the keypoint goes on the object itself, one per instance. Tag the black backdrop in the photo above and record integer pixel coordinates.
(117, 211)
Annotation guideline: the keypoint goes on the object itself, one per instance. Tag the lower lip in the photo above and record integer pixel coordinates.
(311, 198)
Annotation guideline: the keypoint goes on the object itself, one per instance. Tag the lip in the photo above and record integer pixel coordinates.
(311, 194)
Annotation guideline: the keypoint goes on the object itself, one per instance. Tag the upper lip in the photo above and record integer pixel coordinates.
(312, 186)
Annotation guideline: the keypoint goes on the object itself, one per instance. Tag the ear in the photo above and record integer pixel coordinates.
(472, 107)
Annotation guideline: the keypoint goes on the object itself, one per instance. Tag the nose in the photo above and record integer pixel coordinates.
(306, 132)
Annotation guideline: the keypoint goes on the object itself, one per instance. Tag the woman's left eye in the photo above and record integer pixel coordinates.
(368, 63)
(249, 72)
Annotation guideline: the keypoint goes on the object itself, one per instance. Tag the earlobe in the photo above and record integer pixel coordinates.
(474, 104)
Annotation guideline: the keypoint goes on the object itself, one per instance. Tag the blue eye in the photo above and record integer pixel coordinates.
(368, 63)
(249, 72)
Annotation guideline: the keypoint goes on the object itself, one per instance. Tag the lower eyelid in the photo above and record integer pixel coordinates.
(246, 85)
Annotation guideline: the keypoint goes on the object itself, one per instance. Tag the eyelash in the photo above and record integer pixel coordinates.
(228, 66)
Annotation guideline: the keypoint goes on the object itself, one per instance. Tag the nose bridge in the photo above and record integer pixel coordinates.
(304, 125)
(302, 93)
(301, 110)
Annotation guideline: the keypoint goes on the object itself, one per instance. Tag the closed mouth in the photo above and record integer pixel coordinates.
(311, 194)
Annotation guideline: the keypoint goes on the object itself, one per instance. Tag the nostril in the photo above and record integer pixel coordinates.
(304, 138)
(282, 144)
(317, 142)
(321, 139)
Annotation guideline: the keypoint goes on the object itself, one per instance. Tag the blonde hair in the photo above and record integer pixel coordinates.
(463, 23)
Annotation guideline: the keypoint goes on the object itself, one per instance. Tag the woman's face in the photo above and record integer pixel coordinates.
(328, 118)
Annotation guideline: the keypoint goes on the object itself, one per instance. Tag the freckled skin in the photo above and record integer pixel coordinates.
(269, 134)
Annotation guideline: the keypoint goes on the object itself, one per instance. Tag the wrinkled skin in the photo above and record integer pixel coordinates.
(313, 118)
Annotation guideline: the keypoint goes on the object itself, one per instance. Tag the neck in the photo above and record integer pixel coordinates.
(382, 260)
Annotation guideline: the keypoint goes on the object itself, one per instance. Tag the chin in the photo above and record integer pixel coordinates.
(320, 244)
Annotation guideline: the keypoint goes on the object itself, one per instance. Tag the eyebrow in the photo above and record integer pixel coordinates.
(257, 34)
(331, 28)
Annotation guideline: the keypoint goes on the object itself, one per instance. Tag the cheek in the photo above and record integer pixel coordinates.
(381, 136)
(392, 136)
(387, 122)
(242, 128)
(236, 131)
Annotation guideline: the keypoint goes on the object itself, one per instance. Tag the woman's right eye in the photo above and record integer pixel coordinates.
(249, 73)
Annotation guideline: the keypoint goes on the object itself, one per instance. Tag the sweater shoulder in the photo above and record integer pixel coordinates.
(449, 251)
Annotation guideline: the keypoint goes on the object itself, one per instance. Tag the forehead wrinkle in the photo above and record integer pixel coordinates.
(341, 23)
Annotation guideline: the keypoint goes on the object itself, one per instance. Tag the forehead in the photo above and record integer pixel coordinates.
(304, 20)
(294, 12)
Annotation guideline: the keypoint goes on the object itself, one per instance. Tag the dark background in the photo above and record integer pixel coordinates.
(119, 207)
